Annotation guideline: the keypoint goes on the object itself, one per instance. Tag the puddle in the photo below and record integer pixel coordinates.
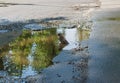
(34, 50)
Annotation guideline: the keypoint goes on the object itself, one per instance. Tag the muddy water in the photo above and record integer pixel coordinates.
(32, 51)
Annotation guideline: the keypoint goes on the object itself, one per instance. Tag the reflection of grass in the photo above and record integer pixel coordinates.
(46, 48)
(83, 34)
(19, 60)
(23, 41)
(3, 50)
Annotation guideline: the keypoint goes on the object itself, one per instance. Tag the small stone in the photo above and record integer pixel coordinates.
(58, 75)
(63, 81)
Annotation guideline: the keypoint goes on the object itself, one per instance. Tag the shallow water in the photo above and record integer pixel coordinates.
(34, 50)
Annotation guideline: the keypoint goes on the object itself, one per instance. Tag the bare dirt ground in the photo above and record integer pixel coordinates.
(17, 10)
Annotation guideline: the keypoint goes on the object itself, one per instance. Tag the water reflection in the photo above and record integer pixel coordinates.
(74, 35)
(1, 64)
(33, 51)
(28, 71)
(29, 53)
(63, 41)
